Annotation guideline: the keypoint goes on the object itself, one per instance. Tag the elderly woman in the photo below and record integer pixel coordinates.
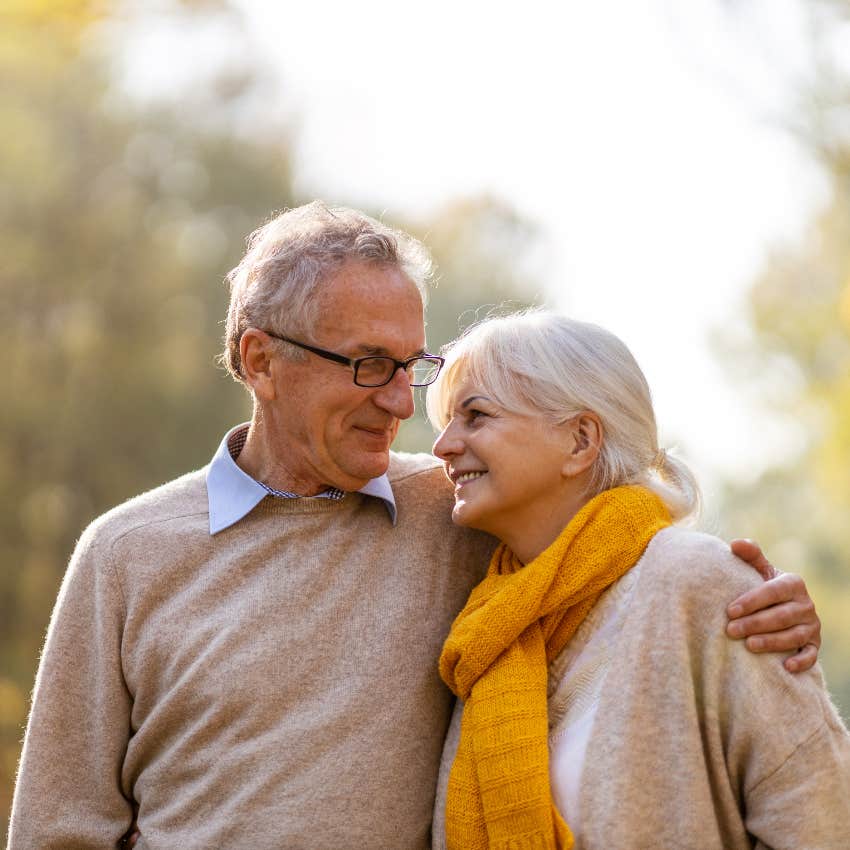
(586, 719)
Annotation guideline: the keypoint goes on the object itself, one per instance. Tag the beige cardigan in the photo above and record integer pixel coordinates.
(698, 743)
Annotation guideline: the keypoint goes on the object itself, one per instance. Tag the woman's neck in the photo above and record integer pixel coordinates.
(533, 532)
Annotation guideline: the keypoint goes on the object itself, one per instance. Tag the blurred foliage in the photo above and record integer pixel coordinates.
(119, 217)
(117, 225)
(799, 353)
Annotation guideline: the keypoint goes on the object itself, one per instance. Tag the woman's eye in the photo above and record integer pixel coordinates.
(473, 415)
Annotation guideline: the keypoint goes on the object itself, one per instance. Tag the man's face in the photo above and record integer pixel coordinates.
(333, 432)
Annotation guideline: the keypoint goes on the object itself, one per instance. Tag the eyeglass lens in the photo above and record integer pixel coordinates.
(374, 371)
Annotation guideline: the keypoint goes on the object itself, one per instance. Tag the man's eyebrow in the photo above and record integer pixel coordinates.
(380, 351)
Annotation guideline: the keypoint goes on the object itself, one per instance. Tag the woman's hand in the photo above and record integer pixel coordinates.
(779, 616)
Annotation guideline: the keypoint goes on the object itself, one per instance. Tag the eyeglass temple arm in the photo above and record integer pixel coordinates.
(328, 355)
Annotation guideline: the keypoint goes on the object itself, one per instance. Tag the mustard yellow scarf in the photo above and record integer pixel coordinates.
(496, 657)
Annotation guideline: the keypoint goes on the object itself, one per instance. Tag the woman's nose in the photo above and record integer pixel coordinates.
(448, 443)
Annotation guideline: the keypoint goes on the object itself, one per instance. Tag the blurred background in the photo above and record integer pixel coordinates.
(677, 172)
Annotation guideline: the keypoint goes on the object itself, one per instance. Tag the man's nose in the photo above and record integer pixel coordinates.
(396, 397)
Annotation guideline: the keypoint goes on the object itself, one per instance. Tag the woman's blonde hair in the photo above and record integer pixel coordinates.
(538, 362)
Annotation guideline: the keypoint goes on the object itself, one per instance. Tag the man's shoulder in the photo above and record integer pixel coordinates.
(184, 497)
(418, 469)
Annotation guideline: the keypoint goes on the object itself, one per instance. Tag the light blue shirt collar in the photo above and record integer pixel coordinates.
(233, 494)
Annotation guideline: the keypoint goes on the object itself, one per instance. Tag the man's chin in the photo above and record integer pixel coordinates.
(368, 466)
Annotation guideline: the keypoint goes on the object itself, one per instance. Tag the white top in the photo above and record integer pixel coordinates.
(576, 677)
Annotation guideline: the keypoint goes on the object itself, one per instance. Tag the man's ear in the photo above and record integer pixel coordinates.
(584, 442)
(255, 349)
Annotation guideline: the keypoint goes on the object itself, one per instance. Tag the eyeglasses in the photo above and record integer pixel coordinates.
(376, 371)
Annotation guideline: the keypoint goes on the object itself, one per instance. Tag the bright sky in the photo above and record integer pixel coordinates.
(642, 136)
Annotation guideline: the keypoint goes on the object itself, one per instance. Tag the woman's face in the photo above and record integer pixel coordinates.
(507, 467)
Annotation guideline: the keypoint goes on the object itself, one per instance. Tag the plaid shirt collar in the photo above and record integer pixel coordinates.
(233, 493)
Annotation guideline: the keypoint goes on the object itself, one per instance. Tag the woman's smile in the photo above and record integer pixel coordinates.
(466, 477)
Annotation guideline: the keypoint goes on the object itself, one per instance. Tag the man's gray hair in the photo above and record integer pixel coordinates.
(291, 257)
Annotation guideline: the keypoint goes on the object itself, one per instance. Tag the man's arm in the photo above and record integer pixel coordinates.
(778, 616)
(68, 790)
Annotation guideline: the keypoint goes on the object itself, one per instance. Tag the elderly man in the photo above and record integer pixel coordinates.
(246, 655)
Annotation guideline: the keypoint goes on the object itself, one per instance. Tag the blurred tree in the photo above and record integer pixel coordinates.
(124, 202)
(800, 318)
(116, 226)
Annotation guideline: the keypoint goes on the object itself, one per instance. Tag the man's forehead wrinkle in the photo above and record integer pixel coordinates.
(372, 334)
(380, 337)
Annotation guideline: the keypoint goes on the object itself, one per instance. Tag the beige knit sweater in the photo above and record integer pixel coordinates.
(272, 686)
(698, 744)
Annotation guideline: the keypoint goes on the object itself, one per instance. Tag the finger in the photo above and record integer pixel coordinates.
(787, 640)
(750, 551)
(781, 589)
(802, 660)
(777, 617)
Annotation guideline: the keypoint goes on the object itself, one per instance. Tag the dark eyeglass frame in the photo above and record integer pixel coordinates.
(355, 362)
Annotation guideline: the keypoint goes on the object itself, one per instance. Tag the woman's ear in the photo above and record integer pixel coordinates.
(257, 364)
(584, 442)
